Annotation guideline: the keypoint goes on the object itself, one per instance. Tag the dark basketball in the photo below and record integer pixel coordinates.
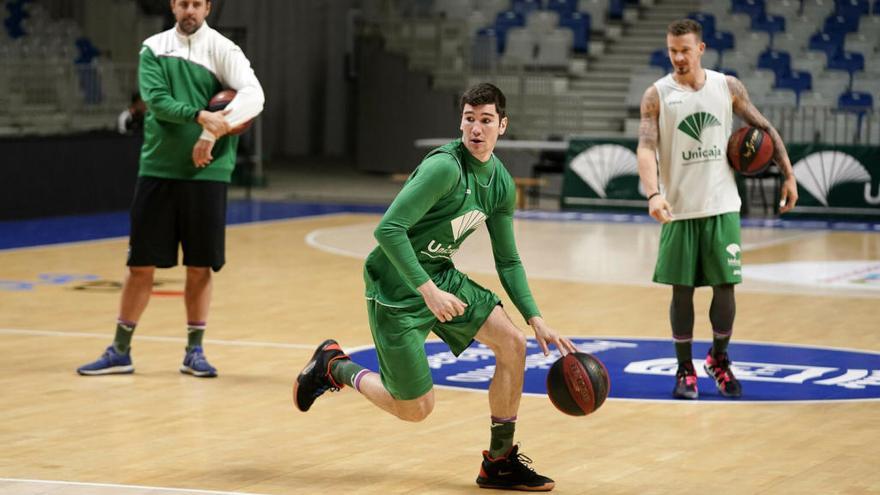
(578, 384)
(750, 150)
(219, 101)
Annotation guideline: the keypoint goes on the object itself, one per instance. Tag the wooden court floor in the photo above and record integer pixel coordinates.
(290, 284)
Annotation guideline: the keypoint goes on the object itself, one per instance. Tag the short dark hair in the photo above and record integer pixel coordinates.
(682, 27)
(484, 94)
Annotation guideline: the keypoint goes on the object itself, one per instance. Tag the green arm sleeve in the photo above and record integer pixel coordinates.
(507, 262)
(156, 93)
(434, 178)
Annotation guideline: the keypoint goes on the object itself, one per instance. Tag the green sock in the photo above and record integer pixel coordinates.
(347, 372)
(683, 352)
(502, 438)
(195, 330)
(122, 339)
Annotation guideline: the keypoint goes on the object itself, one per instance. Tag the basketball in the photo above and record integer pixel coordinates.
(750, 150)
(219, 101)
(578, 384)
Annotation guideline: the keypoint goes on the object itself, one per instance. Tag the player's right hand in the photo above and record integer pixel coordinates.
(214, 122)
(660, 209)
(444, 305)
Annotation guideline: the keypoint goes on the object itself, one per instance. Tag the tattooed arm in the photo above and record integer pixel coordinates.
(649, 136)
(743, 107)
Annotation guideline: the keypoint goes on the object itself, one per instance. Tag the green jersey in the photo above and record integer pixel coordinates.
(444, 200)
(177, 75)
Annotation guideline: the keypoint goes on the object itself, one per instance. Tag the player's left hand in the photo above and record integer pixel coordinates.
(789, 194)
(546, 335)
(201, 154)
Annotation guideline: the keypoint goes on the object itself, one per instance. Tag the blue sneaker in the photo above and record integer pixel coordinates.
(195, 364)
(110, 363)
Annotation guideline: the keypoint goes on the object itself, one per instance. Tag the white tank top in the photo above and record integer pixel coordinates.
(694, 129)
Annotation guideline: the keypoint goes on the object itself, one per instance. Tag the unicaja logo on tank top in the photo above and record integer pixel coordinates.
(693, 125)
(461, 227)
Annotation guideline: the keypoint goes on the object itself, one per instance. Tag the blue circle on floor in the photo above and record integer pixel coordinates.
(644, 369)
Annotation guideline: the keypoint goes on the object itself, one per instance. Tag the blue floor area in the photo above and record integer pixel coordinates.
(56, 230)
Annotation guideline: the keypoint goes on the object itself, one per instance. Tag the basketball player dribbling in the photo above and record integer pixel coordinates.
(413, 288)
(686, 119)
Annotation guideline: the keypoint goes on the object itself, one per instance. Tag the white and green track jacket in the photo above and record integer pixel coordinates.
(177, 76)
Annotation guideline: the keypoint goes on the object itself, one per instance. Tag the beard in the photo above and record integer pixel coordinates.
(189, 26)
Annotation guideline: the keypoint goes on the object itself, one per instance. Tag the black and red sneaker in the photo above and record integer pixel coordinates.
(685, 382)
(510, 472)
(718, 367)
(315, 378)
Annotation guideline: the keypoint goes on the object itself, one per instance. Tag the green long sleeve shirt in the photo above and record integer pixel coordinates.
(445, 199)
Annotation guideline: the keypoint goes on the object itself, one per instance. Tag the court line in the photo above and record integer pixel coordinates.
(283, 345)
(353, 349)
(764, 287)
(114, 485)
(154, 338)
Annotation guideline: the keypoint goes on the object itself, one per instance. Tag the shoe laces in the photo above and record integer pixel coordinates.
(198, 357)
(323, 388)
(520, 461)
(721, 362)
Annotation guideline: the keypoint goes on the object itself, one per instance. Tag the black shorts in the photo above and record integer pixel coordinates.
(166, 213)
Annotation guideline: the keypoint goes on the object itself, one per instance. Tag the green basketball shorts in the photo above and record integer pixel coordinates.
(400, 334)
(700, 251)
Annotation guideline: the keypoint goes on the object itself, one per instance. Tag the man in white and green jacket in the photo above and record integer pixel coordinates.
(185, 166)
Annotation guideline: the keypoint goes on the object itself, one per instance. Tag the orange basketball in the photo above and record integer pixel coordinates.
(750, 150)
(578, 384)
(219, 101)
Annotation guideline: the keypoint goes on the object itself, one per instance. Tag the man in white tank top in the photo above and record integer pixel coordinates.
(686, 122)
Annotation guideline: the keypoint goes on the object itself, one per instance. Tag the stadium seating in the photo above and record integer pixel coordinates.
(503, 22)
(579, 23)
(797, 81)
(777, 62)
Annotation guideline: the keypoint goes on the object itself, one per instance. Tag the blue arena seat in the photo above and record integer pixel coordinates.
(778, 62)
(564, 7)
(579, 23)
(504, 21)
(850, 62)
(660, 58)
(839, 24)
(615, 9)
(484, 51)
(852, 8)
(524, 7)
(854, 101)
(87, 51)
(770, 24)
(797, 81)
(753, 8)
(17, 14)
(705, 20)
(857, 103)
(720, 40)
(826, 42)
